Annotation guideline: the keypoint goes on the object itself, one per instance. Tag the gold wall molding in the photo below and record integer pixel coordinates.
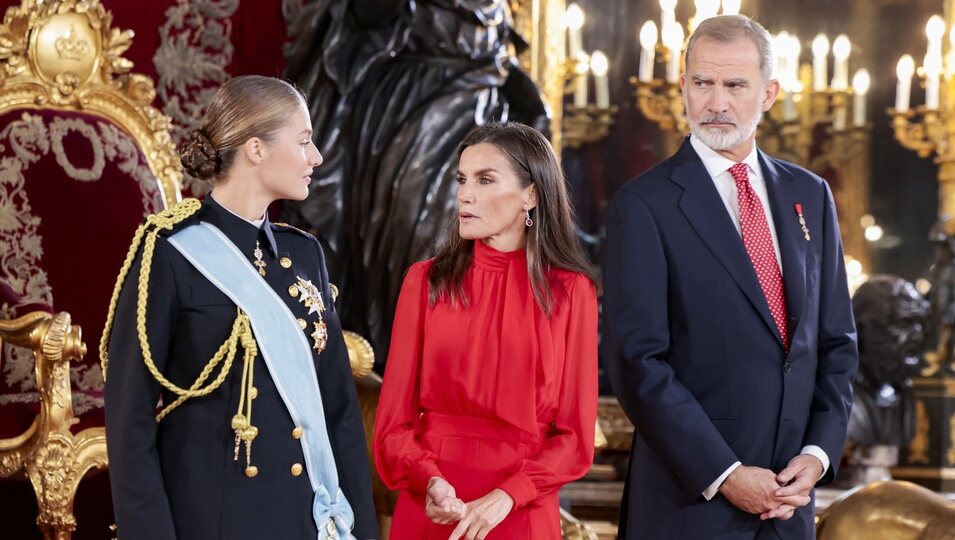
(934, 387)
(944, 473)
(918, 448)
(539, 22)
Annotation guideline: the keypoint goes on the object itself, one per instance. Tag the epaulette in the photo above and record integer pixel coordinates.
(286, 227)
(169, 218)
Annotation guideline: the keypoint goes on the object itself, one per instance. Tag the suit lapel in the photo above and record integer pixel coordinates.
(783, 198)
(704, 209)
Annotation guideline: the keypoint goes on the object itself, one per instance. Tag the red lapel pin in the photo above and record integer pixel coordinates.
(802, 220)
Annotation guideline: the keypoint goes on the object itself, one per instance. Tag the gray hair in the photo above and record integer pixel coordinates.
(729, 28)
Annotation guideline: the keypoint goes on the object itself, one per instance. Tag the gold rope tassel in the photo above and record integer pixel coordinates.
(245, 432)
(241, 333)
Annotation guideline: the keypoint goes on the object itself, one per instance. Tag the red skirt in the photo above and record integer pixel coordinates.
(475, 456)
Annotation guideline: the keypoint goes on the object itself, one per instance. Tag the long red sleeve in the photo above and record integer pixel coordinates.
(401, 461)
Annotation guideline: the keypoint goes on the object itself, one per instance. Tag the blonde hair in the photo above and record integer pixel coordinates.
(244, 107)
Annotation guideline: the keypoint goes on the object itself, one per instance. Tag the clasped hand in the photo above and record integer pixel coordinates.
(773, 496)
(475, 519)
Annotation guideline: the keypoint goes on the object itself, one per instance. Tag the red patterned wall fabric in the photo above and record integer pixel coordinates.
(73, 189)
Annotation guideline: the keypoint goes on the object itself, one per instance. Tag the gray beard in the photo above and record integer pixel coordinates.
(719, 139)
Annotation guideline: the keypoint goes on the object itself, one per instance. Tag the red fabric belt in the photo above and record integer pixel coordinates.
(448, 425)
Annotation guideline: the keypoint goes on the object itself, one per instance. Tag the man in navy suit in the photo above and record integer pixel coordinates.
(729, 315)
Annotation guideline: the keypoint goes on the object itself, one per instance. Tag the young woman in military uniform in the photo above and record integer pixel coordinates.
(230, 320)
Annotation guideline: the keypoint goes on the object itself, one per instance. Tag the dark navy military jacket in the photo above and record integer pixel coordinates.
(177, 479)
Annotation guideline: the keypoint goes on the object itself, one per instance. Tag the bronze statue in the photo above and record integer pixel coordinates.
(890, 318)
(393, 86)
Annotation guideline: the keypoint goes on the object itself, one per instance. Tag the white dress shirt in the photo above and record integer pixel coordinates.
(718, 167)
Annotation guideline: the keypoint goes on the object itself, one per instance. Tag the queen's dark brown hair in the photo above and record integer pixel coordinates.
(550, 242)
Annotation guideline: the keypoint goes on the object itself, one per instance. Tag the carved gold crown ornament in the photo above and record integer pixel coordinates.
(70, 48)
(65, 55)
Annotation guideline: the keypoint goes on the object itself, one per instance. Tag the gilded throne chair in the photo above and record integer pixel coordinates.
(83, 158)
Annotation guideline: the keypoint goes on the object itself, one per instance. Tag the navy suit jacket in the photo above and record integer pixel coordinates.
(698, 363)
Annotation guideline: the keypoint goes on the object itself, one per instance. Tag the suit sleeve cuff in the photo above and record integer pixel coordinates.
(710, 492)
(520, 488)
(420, 474)
(819, 454)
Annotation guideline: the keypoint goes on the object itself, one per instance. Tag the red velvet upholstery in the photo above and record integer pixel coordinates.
(79, 187)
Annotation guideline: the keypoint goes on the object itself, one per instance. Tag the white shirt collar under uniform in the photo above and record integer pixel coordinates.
(257, 223)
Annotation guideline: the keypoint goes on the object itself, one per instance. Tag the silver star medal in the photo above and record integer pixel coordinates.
(312, 298)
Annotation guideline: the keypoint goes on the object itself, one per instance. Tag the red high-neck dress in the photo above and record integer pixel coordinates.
(492, 395)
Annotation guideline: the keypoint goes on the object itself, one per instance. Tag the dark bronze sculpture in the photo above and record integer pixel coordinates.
(393, 86)
(890, 318)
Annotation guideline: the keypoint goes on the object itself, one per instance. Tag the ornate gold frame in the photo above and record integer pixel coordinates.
(47, 453)
(64, 55)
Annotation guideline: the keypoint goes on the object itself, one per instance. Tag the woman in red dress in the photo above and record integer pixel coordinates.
(490, 392)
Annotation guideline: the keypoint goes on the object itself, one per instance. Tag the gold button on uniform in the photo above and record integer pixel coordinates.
(296, 469)
(302, 324)
(285, 262)
(253, 392)
(252, 471)
(297, 433)
(293, 291)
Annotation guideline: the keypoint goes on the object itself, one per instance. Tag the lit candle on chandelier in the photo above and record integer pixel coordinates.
(599, 65)
(648, 42)
(673, 40)
(820, 62)
(668, 13)
(841, 48)
(574, 20)
(581, 68)
(860, 85)
(904, 69)
(731, 7)
(933, 70)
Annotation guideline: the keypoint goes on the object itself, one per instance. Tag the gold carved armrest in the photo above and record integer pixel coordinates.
(360, 354)
(54, 342)
(47, 453)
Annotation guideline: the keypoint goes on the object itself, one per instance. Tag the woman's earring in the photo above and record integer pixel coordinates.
(527, 218)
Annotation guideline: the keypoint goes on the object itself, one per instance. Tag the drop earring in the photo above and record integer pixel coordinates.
(527, 218)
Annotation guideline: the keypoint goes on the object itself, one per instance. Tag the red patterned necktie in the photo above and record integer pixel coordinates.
(759, 245)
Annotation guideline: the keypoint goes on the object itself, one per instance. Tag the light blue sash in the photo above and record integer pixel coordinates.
(287, 356)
